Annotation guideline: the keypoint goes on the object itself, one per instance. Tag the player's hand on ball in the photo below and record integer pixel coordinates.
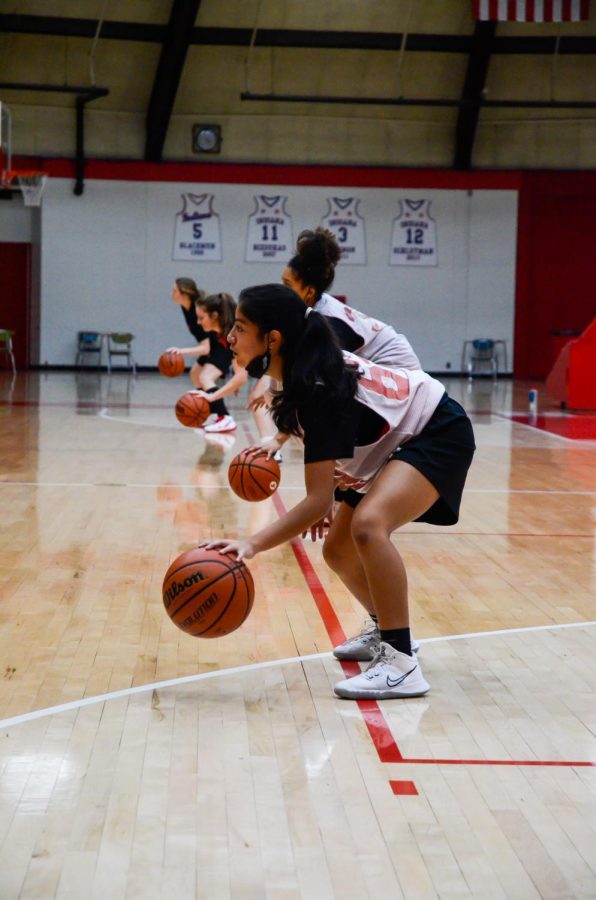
(240, 549)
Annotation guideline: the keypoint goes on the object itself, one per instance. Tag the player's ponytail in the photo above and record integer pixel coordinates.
(222, 304)
(317, 254)
(310, 354)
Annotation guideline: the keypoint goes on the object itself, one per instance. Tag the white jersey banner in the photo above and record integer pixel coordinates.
(269, 231)
(346, 223)
(197, 233)
(414, 235)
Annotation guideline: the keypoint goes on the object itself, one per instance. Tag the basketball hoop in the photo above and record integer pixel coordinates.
(30, 183)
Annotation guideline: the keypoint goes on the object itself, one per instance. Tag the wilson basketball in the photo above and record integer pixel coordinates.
(207, 594)
(171, 363)
(192, 409)
(253, 477)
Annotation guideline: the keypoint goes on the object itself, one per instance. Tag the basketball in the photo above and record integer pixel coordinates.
(207, 594)
(192, 410)
(171, 363)
(253, 477)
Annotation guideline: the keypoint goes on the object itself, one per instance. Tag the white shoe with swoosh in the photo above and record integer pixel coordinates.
(390, 675)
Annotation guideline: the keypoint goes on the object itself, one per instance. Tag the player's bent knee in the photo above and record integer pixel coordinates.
(366, 529)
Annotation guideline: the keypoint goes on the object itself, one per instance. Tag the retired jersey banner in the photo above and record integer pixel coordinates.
(531, 10)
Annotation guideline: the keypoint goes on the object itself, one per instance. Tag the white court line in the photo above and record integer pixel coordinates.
(104, 414)
(224, 487)
(203, 676)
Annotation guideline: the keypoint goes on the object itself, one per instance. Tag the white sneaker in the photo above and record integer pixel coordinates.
(208, 421)
(391, 674)
(366, 645)
(363, 646)
(220, 424)
(278, 457)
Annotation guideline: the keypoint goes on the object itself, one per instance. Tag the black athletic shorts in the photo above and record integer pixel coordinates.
(443, 452)
(218, 356)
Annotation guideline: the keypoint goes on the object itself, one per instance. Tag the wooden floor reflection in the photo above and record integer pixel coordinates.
(137, 762)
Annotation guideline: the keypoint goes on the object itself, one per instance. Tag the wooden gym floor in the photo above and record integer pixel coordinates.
(137, 762)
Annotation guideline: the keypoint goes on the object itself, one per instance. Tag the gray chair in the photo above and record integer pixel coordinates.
(120, 344)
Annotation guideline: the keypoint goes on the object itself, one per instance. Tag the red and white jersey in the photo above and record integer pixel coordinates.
(381, 343)
(405, 399)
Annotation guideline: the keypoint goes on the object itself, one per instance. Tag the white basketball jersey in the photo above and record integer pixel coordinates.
(414, 235)
(269, 231)
(346, 223)
(405, 399)
(381, 343)
(197, 233)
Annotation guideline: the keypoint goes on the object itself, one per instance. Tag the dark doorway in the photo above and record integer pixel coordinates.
(15, 297)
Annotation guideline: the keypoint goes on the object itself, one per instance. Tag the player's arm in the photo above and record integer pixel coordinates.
(319, 483)
(201, 349)
(239, 378)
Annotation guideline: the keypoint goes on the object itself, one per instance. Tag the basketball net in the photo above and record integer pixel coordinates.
(31, 185)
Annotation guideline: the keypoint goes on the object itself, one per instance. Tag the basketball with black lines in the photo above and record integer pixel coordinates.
(192, 410)
(171, 363)
(207, 594)
(253, 476)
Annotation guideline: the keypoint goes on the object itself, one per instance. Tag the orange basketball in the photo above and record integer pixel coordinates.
(207, 594)
(253, 477)
(171, 363)
(192, 409)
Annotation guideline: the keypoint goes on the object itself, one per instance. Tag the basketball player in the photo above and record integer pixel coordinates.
(310, 273)
(401, 449)
(185, 293)
(215, 315)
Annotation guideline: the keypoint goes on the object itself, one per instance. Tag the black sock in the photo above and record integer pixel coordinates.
(217, 406)
(374, 618)
(398, 638)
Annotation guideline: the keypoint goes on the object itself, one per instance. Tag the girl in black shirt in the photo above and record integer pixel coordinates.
(185, 293)
(393, 434)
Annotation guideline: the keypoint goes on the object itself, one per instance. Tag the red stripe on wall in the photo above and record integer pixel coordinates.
(261, 174)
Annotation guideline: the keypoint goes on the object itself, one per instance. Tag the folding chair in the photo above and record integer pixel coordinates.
(121, 345)
(482, 353)
(89, 342)
(6, 346)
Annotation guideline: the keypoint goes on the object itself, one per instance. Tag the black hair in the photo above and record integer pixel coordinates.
(222, 304)
(317, 254)
(310, 353)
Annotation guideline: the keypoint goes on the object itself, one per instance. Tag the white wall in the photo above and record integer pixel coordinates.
(106, 263)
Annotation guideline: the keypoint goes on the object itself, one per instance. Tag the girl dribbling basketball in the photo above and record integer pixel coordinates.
(399, 445)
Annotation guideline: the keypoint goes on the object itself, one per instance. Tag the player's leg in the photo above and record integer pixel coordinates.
(222, 421)
(399, 495)
(341, 555)
(195, 375)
